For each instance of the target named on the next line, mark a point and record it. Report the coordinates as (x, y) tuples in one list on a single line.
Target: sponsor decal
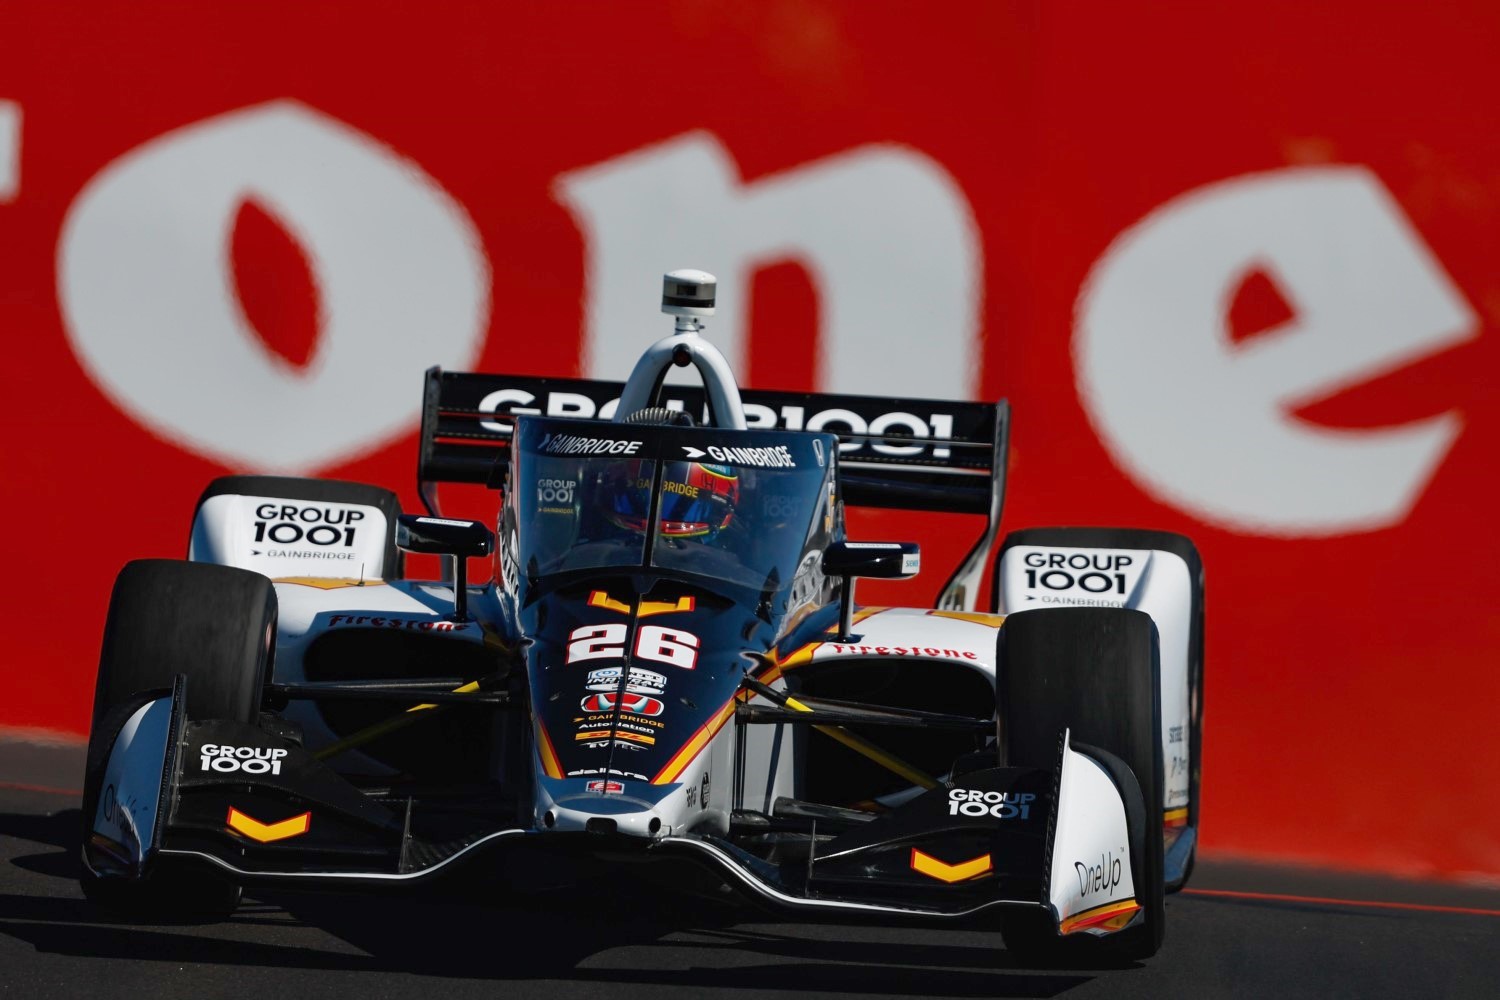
[(555, 496), (586, 771), (572, 444), (933, 651), (303, 554), (247, 760), (997, 805), (818, 451), (265, 833), (1100, 878), (944, 872), (448, 522), (703, 791), (414, 624), (639, 681), (766, 457), (599, 744), (633, 722), (1076, 602), (900, 433), (605, 787), (289, 524), (1174, 734), (636, 704), (691, 796), (908, 428), (1096, 573), (780, 507)]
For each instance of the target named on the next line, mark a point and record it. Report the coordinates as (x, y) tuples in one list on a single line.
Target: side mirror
[(447, 537), (878, 560), (443, 536)]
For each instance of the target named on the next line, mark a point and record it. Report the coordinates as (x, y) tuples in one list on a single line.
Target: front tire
[(1096, 672), (217, 625)]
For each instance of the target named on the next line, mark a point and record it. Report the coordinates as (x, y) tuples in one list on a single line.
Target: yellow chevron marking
[(944, 872), (649, 608), (599, 599), (267, 832)]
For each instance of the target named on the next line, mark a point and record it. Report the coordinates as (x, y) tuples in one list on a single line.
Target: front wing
[(263, 809)]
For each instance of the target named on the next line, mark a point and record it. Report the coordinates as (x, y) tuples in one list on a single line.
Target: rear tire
[(1096, 672), (217, 625)]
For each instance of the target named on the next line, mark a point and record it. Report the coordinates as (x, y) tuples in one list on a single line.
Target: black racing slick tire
[(217, 626), (1095, 672), (1182, 847)]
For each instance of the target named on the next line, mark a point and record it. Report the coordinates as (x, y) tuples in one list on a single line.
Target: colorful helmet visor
[(696, 499)]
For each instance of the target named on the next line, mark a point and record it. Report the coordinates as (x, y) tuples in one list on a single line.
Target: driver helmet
[(697, 500)]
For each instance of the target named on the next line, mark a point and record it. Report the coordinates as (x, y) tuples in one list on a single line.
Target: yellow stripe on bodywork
[(327, 582), (682, 758), (976, 617), (1111, 916)]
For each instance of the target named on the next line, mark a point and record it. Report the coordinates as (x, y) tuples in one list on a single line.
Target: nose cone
[(609, 804)]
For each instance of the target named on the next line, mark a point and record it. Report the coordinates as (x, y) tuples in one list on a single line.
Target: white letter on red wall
[(1204, 424), (143, 280), (883, 231), (10, 150)]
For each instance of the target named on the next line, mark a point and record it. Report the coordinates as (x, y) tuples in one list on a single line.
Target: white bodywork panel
[(912, 633), (279, 537), (1090, 849), (126, 815), (1150, 580)]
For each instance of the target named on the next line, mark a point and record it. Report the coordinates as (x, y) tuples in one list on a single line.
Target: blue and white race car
[(667, 662)]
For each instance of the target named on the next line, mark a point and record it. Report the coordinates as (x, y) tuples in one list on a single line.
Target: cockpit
[(737, 506)]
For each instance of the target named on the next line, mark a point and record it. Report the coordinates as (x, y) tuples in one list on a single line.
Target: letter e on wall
[(1205, 424)]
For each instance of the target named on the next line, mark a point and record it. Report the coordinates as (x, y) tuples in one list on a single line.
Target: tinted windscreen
[(564, 475), (738, 506)]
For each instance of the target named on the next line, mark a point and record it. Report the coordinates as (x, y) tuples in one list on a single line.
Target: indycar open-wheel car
[(666, 660)]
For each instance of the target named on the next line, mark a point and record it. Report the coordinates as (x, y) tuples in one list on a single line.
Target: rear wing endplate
[(895, 453)]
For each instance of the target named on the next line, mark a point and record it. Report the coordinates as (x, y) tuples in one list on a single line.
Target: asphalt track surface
[(1299, 934)]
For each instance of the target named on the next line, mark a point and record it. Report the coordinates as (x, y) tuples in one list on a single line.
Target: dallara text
[(665, 663)]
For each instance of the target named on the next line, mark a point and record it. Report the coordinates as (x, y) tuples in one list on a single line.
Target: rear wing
[(902, 454)]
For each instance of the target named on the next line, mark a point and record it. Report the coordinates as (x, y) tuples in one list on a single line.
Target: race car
[(666, 663)]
